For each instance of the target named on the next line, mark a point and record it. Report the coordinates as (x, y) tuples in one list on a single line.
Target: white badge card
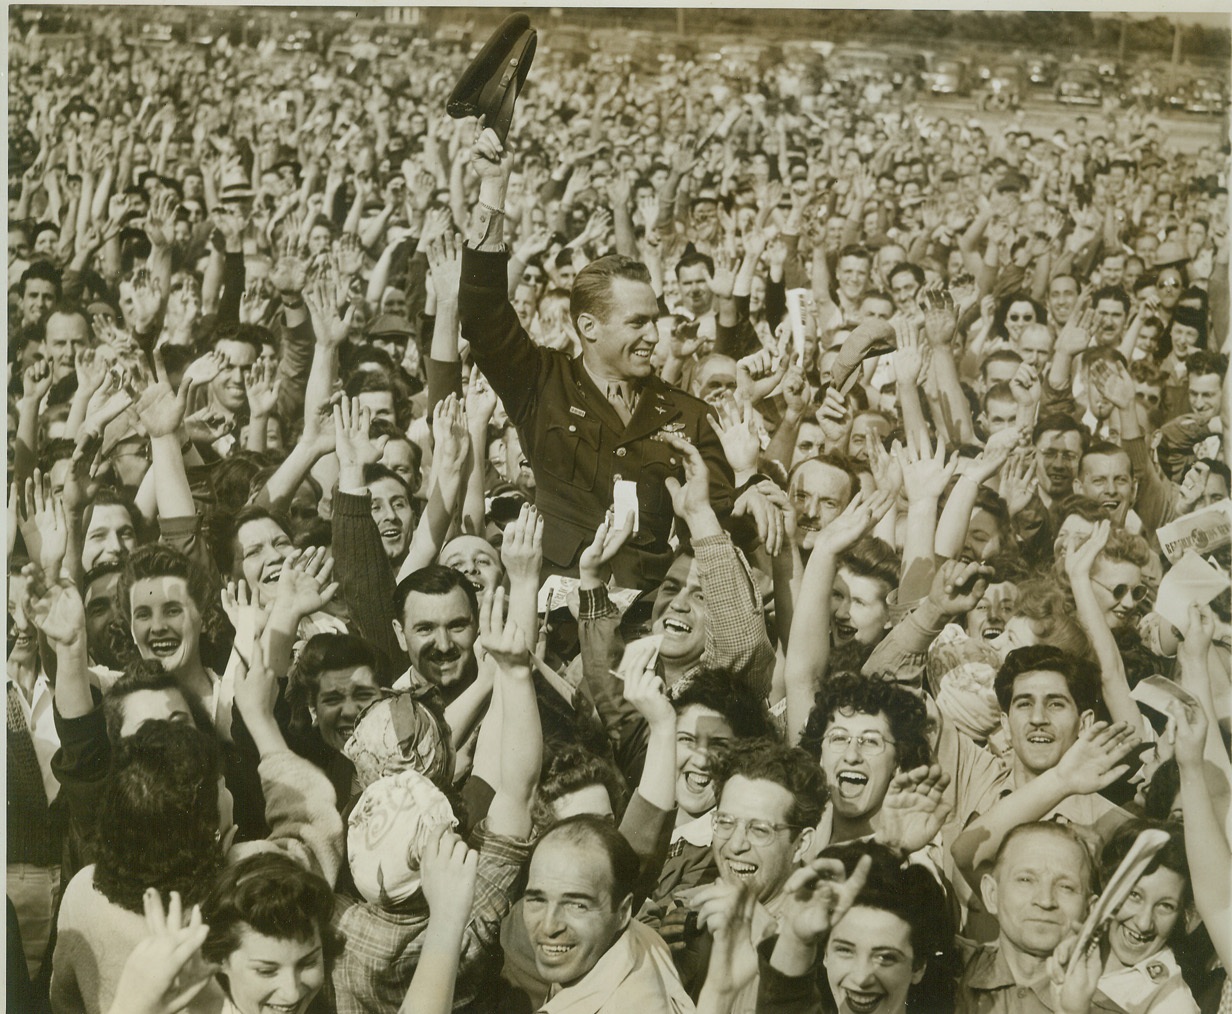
[(624, 502)]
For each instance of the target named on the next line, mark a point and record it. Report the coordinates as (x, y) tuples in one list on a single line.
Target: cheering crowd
[(729, 545)]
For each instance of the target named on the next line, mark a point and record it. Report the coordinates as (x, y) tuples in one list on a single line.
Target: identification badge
[(624, 502)]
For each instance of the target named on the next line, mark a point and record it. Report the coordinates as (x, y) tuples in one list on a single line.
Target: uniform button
[(673, 461), (572, 429), (620, 452)]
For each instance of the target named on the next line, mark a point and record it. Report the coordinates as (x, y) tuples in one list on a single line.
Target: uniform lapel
[(596, 400), (654, 409)]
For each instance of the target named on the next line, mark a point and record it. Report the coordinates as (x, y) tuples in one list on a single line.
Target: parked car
[(947, 76), (1079, 86), (859, 64), (1006, 85), (1206, 95), (1041, 71)]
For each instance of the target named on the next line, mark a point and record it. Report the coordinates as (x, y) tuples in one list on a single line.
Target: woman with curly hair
[(864, 731), (270, 935)]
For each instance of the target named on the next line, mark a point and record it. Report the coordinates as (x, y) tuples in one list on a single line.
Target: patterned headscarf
[(388, 831), (398, 733)]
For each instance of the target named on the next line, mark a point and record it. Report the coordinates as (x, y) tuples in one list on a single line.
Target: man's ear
[(586, 324), (625, 911), (805, 844), (1005, 726), (988, 891), (400, 634), (1086, 719)]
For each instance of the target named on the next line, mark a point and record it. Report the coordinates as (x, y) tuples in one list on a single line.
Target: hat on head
[(388, 832), (489, 87), (1170, 254), (392, 324)]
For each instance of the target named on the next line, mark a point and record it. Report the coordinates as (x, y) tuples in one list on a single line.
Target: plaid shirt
[(382, 950), (736, 638)]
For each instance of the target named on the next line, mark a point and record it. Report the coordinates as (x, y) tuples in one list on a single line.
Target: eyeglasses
[(869, 744), (758, 832), (1136, 593), (1028, 317), (1171, 283)]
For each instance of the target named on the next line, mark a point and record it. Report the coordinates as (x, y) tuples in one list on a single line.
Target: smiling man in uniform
[(590, 422)]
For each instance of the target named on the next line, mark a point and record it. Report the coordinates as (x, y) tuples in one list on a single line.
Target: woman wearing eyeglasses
[(1105, 576), (1014, 314), (864, 732)]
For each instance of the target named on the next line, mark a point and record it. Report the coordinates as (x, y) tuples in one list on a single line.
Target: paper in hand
[(1190, 580)]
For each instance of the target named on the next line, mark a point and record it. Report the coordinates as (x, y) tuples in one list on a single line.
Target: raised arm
[(808, 654), (522, 735), (1113, 683), (1094, 762)]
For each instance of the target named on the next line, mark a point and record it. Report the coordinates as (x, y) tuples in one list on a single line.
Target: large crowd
[(721, 547)]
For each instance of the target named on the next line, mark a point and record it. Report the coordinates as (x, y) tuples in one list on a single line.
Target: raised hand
[(55, 608), (737, 428), (857, 519), (887, 472), (1199, 633), (481, 400), (725, 911), (1075, 336), (256, 687), (925, 472), (1186, 732), (244, 613), (321, 300), (522, 546), (907, 356), (165, 971), (161, 408), (835, 419), (1025, 386), (450, 439), (995, 453), (204, 369), (693, 497), (36, 381), (352, 426), (449, 871), (817, 896), (147, 300), (444, 254), (1018, 480), (304, 585), (1096, 759), (501, 637), (642, 687), (1081, 558), (958, 586), (914, 808), (603, 547), (261, 384), (46, 513), (254, 305), (1074, 982), (1113, 381), (940, 316)]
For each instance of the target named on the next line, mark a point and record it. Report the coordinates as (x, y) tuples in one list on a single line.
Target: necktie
[(622, 401)]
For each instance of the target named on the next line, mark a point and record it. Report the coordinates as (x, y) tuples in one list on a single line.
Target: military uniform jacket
[(574, 439)]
